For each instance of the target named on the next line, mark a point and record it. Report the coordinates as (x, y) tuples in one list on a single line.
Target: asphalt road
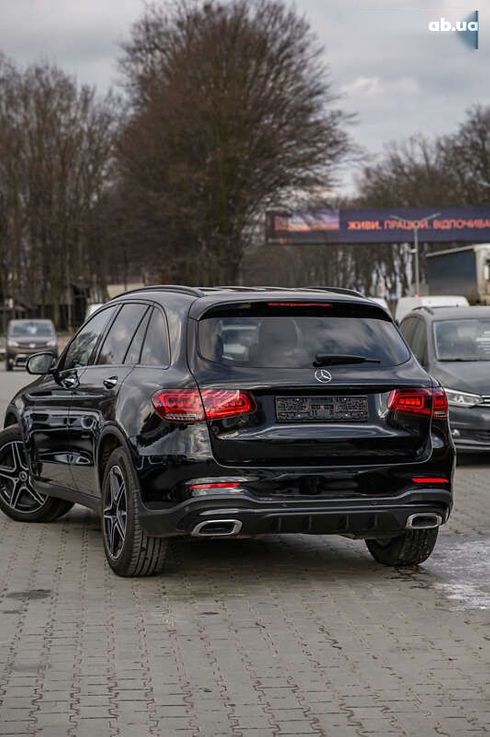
[(279, 636)]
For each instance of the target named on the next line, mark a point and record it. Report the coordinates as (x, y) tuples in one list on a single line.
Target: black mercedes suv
[(233, 411)]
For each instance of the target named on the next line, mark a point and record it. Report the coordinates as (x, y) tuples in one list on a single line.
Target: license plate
[(322, 409)]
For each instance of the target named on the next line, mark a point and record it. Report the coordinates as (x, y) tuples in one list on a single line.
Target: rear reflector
[(219, 487), (420, 401), (430, 480), (190, 405)]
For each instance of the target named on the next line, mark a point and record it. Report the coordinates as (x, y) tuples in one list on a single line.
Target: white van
[(407, 304)]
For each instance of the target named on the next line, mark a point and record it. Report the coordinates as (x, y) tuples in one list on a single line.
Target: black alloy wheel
[(129, 550), (115, 512)]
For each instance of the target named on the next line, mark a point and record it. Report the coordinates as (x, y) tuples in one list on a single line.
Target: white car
[(407, 304)]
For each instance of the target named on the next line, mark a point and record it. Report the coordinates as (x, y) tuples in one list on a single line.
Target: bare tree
[(55, 155), (232, 108), (446, 171)]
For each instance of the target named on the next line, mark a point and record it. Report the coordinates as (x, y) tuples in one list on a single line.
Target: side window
[(419, 342), (134, 350), (156, 350), (83, 344), (120, 334)]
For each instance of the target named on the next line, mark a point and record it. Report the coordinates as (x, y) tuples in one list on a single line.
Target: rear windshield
[(463, 340), (295, 339), (31, 329)]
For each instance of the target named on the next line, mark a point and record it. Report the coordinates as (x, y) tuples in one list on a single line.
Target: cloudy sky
[(398, 77)]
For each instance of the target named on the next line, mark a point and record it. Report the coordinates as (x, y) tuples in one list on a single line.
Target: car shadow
[(242, 565)]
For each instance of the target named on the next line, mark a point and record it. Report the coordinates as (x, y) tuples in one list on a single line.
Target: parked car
[(26, 337), (324, 423), (453, 345), (407, 304)]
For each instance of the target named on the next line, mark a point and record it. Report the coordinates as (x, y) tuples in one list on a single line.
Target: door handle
[(111, 382)]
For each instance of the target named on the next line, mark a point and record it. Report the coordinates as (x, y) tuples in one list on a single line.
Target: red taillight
[(179, 405), (190, 405), (430, 480), (222, 403), (440, 404), (429, 402)]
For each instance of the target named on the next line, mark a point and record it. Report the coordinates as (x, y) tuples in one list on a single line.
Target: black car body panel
[(353, 477)]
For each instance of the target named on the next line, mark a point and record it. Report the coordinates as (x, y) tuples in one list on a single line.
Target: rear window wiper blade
[(326, 359)]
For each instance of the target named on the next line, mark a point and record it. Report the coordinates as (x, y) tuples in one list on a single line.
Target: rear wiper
[(325, 359)]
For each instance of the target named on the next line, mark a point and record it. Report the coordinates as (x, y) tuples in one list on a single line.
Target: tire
[(8, 367), (129, 550), (18, 499), (409, 549)]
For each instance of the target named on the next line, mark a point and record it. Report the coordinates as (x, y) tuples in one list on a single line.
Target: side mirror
[(41, 364)]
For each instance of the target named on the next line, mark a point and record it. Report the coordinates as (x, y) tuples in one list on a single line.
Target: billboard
[(394, 225)]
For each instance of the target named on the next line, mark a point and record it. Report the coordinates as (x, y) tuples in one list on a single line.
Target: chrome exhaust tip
[(423, 521), (217, 528)]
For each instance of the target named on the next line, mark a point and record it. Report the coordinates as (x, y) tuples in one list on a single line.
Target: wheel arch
[(110, 439)]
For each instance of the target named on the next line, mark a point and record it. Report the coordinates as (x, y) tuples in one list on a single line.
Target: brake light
[(179, 405), (430, 480), (299, 304), (440, 404), (190, 405), (222, 403), (411, 401), (428, 402)]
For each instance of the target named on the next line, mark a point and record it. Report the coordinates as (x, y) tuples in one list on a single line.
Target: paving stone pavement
[(248, 638)]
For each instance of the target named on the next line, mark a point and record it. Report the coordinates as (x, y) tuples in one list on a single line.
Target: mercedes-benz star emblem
[(323, 376)]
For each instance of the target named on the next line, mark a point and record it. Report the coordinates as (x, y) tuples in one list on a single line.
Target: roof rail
[(231, 288), (193, 291), (202, 291), (262, 288)]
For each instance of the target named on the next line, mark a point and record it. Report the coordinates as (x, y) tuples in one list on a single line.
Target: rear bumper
[(363, 518)]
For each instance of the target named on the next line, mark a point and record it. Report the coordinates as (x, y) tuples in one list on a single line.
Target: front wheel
[(19, 500), (408, 549), (129, 550)]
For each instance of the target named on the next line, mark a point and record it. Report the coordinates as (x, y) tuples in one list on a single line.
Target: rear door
[(311, 406), (94, 402)]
